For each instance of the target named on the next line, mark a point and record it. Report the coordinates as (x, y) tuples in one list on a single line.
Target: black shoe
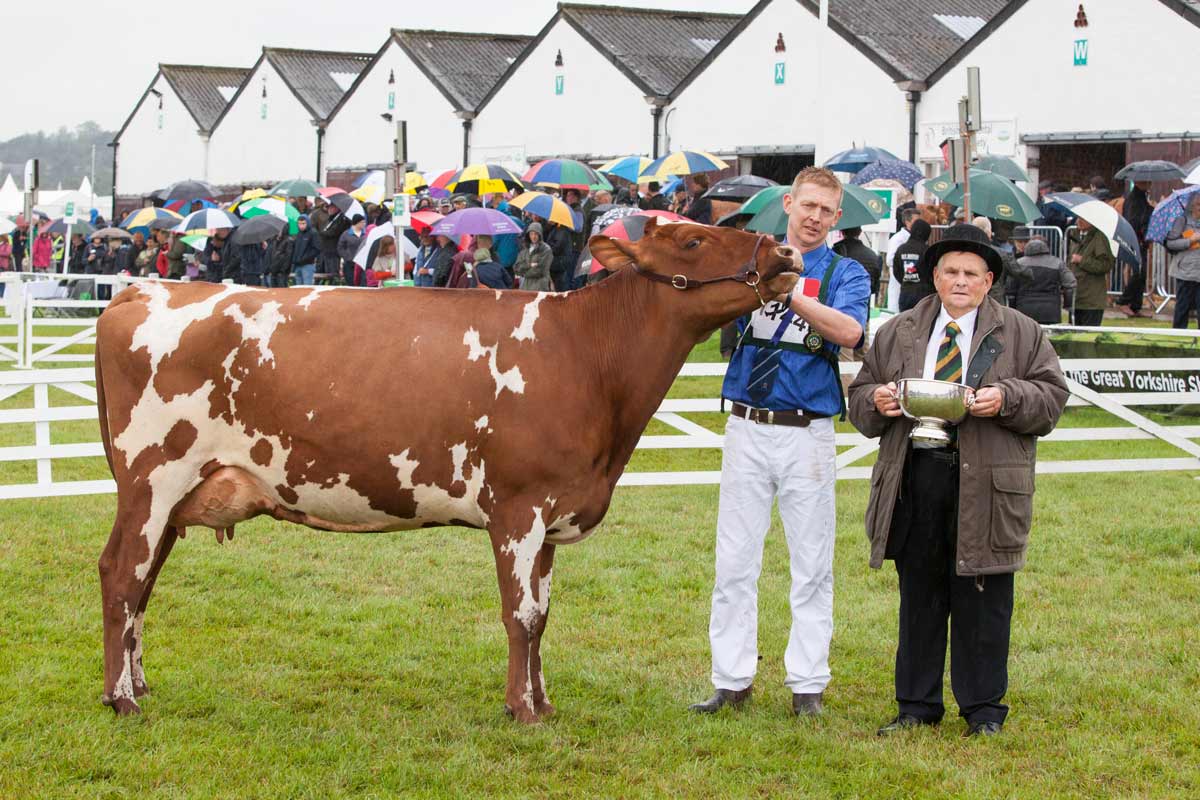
[(807, 705), (722, 697), (903, 722), (986, 728)]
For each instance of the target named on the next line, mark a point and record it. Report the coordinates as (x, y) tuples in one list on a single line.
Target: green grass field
[(291, 663)]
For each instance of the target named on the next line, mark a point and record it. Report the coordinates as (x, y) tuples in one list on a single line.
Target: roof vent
[(344, 79), (963, 27)]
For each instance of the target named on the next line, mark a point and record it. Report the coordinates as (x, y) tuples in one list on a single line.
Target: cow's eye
[(694, 243)]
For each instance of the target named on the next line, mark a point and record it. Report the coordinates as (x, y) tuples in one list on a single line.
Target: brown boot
[(807, 705)]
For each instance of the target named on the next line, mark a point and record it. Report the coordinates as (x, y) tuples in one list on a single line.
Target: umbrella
[(111, 233), (207, 219), (258, 229), (996, 198), (196, 241), (186, 190), (298, 187), (348, 204), (60, 227), (164, 223), (907, 173), (943, 185), (1193, 177), (330, 191), (280, 209), (681, 162), (1167, 211), (630, 228), (611, 215), (370, 193), (903, 195), (1004, 167), (627, 167), (372, 176), (741, 187), (369, 249), (859, 207), (424, 220), (857, 158), (1102, 216), (183, 207), (543, 205), (668, 188), (438, 187), (414, 182), (476, 221), (144, 216), (249, 194), (480, 179), (565, 173), (1151, 171)]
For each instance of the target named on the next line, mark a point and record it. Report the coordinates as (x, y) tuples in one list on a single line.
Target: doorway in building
[(780, 168), (1073, 164)]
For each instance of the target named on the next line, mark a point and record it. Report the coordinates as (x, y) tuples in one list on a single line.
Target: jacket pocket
[(1012, 507)]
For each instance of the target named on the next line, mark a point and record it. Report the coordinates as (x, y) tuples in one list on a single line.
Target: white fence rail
[(80, 383)]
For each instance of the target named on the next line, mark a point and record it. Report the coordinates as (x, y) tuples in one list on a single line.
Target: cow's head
[(711, 274)]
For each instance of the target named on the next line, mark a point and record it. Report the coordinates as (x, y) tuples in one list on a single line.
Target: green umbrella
[(943, 185), (196, 241), (273, 206), (997, 198), (859, 207), (1004, 167), (298, 187)]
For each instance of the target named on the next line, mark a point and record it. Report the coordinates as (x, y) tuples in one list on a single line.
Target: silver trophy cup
[(935, 405)]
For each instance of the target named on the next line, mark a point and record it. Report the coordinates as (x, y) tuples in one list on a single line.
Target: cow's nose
[(786, 251)]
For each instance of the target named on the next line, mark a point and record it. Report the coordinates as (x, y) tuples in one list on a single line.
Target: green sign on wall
[(780, 71), (558, 84), (1081, 52)]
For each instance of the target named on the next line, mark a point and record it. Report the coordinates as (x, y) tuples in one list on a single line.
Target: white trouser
[(893, 292), (797, 466)]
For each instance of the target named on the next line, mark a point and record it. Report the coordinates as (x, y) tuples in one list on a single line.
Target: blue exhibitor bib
[(805, 379)]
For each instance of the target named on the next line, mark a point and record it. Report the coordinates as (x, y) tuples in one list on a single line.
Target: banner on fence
[(1136, 380)]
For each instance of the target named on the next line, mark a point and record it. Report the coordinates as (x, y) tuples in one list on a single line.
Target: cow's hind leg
[(135, 551), (519, 549), (139, 673)]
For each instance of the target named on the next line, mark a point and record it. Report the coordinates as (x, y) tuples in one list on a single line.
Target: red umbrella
[(628, 228), (437, 187), (330, 191), (422, 221)]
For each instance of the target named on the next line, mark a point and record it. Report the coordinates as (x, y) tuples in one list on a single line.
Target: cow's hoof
[(544, 709), (122, 706), (140, 690), (522, 715)]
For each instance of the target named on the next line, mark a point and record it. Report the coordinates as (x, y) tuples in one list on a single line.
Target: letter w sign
[(1081, 52)]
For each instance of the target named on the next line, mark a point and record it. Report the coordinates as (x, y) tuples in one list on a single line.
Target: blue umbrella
[(669, 187), (1105, 219), (1167, 212), (905, 172), (856, 158)]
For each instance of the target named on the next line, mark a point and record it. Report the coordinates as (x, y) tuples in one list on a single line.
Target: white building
[(165, 138), (272, 129), (430, 79), (1076, 89), (592, 84), (782, 91)]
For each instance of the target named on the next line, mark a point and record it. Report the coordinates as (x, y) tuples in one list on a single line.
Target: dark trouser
[(1187, 300), (329, 264), (979, 609), (350, 272), (1134, 290), (252, 279), (1089, 317)]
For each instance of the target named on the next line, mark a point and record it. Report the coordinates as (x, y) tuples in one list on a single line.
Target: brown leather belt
[(765, 416)]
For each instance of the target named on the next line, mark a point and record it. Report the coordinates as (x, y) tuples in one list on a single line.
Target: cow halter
[(748, 275)]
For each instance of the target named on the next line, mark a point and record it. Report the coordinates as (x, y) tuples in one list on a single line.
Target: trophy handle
[(899, 391)]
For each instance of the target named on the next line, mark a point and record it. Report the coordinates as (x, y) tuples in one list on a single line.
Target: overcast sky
[(68, 61)]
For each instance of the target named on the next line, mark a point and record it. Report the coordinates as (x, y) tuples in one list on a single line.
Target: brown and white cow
[(219, 403)]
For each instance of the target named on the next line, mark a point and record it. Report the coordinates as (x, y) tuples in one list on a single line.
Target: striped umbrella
[(330, 191), (543, 205), (196, 241), (298, 187), (275, 207), (626, 167), (414, 182), (480, 179), (144, 216), (370, 193), (437, 188), (1122, 240), (681, 162), (348, 204), (249, 194), (857, 158), (207, 219), (565, 173)]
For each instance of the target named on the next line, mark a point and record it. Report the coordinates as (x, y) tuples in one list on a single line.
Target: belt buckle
[(770, 417)]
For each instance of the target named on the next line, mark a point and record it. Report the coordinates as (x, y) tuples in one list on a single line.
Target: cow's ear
[(651, 225), (614, 254)]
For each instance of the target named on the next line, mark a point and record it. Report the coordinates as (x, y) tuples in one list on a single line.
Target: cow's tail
[(101, 406)]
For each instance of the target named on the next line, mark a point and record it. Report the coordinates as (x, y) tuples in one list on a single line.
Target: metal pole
[(92, 199), (400, 157), (970, 148)]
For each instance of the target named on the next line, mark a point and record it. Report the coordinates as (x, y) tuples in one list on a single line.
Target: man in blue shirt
[(785, 388)]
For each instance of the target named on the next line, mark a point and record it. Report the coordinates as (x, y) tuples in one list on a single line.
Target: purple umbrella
[(1166, 212), (477, 222), (905, 172)]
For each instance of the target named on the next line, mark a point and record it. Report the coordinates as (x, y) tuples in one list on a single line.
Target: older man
[(785, 388), (956, 519)]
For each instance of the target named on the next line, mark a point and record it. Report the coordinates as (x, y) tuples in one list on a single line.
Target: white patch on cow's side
[(498, 294), (458, 455), (510, 379), (310, 416), (163, 327), (435, 504), (524, 552), (260, 327), (528, 318), (313, 293), (481, 423)]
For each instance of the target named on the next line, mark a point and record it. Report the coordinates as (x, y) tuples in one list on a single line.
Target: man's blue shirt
[(805, 380)]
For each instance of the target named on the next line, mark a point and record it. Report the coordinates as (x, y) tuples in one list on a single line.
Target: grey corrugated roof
[(464, 66), (907, 34), (655, 48), (310, 74), (204, 90)]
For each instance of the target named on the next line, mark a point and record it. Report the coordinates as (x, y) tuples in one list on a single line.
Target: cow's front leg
[(523, 608)]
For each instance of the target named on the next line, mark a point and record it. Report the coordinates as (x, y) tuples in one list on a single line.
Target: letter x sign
[(780, 66)]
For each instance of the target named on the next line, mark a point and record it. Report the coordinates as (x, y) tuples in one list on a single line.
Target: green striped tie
[(949, 358)]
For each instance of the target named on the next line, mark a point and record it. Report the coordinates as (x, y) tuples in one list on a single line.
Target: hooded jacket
[(304, 247), (1038, 282), (534, 261), (1184, 243)]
